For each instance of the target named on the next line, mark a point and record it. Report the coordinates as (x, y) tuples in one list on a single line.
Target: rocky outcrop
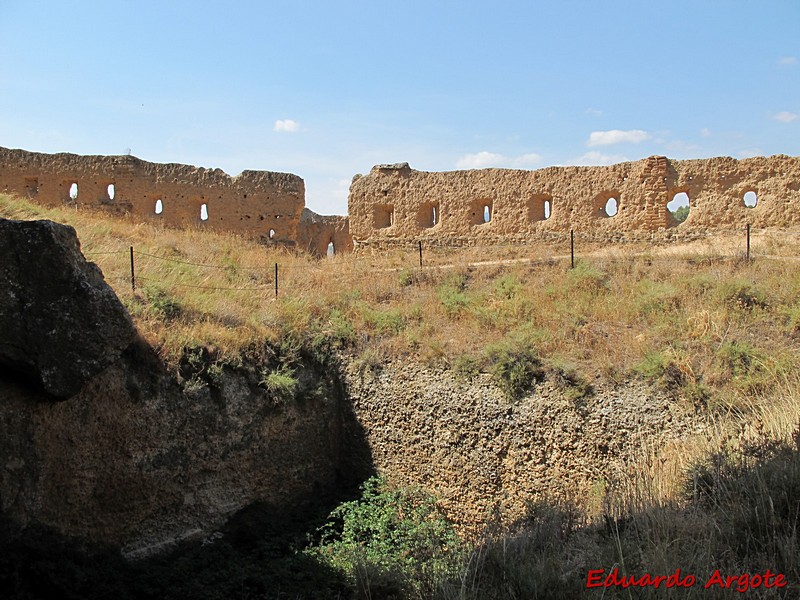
[(487, 457), (61, 323), (142, 459)]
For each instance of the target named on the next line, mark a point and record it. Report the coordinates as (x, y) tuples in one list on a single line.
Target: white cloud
[(788, 61), (594, 112), (749, 153), (705, 132), (480, 160), (596, 159), (286, 125), (484, 159), (785, 116), (617, 136)]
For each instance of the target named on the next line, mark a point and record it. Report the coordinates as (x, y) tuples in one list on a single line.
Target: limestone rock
[(60, 322)]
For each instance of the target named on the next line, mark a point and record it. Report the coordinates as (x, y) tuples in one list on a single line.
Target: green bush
[(162, 304), (281, 383), (586, 277), (452, 294), (514, 366), (465, 366), (680, 214), (391, 542)]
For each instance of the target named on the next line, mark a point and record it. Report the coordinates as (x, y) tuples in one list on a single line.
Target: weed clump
[(515, 367)]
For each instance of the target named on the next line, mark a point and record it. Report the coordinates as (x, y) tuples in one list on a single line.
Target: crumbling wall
[(395, 204), (324, 235), (255, 203)]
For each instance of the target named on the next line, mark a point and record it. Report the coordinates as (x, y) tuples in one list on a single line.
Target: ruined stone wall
[(321, 234), (256, 203), (395, 204)]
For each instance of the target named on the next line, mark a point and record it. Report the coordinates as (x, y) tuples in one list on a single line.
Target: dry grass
[(720, 333), (693, 323)]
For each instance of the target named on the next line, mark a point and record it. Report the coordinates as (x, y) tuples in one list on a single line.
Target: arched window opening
[(481, 211), (384, 216), (612, 207), (331, 250), (539, 207), (679, 207), (204, 212), (750, 199), (428, 215), (271, 233), (159, 206), (73, 191), (111, 190)]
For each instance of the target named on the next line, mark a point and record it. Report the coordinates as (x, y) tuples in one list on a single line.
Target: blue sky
[(325, 90)]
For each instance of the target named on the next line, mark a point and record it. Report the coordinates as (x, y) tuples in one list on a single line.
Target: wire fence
[(418, 255)]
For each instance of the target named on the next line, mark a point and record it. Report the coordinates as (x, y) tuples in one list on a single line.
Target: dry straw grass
[(691, 322), (712, 330)]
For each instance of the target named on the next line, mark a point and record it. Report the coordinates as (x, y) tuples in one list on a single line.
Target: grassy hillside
[(709, 328), (702, 324)]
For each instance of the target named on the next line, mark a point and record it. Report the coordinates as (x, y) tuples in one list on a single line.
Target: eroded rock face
[(139, 460), (60, 323), (487, 457)]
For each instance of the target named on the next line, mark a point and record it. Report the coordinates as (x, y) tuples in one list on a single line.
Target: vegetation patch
[(391, 542)]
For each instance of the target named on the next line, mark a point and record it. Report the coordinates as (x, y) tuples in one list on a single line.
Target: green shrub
[(587, 277), (652, 365), (514, 366), (281, 383), (508, 286), (162, 304), (391, 542), (680, 214), (387, 322), (466, 366)]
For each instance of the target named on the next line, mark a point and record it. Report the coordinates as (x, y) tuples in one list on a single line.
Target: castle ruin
[(261, 204), (395, 206)]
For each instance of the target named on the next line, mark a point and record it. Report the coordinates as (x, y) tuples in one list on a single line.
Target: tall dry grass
[(695, 323), (719, 333)]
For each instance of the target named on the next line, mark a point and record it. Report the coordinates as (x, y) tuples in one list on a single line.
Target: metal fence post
[(571, 249), (748, 242), (133, 277)]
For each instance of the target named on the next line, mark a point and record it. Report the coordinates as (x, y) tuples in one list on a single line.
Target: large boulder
[(60, 322)]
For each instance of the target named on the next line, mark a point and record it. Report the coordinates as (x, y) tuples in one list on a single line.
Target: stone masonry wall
[(395, 204), (256, 203)]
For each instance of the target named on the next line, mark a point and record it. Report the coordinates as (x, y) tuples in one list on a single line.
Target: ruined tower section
[(395, 205), (261, 204)]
